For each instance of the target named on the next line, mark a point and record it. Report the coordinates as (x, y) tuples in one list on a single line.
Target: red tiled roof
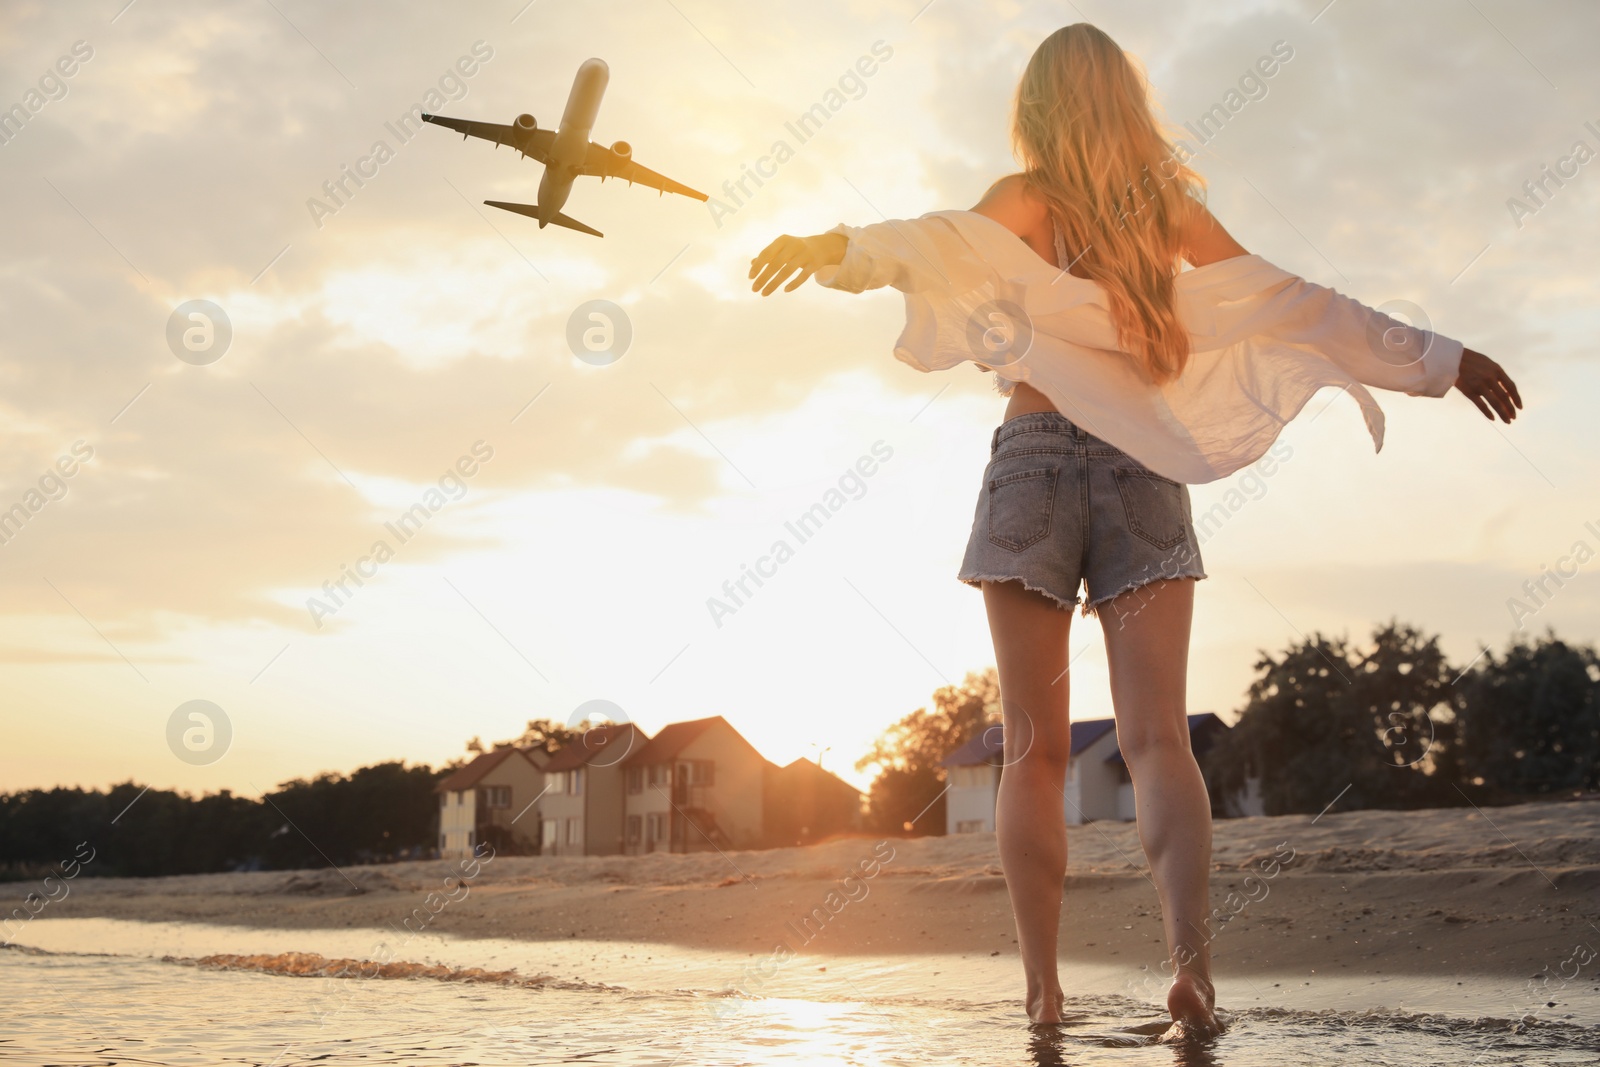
[(473, 773), (615, 740), (803, 768), (674, 737)]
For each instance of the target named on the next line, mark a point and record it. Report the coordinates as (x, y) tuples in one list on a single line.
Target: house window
[(656, 773), (573, 831), (497, 796), (635, 780), (470, 835), (969, 826), (696, 773), (548, 836), (575, 782), (655, 825), (633, 829), (444, 800)]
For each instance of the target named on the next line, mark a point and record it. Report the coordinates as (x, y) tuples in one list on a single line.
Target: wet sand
[(1507, 893)]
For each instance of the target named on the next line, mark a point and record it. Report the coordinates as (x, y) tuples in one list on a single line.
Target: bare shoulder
[(1012, 202), (1203, 238)]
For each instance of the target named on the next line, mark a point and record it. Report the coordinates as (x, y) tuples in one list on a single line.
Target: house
[(972, 784), (1098, 785), (695, 785), (974, 778), (581, 811), (1094, 785), (1204, 730), (804, 803), (488, 802)]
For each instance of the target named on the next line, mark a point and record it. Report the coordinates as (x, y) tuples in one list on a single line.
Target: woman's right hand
[(1486, 384), (788, 254)]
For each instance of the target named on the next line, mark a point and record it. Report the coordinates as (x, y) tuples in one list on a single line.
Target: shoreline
[(1430, 894), (725, 984)]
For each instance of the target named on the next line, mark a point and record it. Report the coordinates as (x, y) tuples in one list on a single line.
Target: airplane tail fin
[(532, 211)]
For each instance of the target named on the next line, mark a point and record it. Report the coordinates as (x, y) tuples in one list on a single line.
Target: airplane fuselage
[(571, 145), (565, 151)]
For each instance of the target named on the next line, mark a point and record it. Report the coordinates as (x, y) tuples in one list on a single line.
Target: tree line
[(1403, 727), (1391, 723), (376, 814)]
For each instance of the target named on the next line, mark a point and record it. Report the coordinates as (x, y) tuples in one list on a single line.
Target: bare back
[(1013, 203)]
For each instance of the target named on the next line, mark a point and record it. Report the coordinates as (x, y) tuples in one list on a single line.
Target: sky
[(385, 343)]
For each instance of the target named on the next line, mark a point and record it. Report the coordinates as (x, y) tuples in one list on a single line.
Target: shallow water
[(69, 1002)]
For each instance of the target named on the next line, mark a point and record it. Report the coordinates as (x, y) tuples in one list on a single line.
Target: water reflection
[(1065, 1045), (102, 1010), (1196, 1053)]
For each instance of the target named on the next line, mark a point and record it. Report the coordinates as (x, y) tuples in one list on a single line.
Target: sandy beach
[(1505, 893)]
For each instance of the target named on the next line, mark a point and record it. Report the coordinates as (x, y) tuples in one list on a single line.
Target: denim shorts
[(1060, 506)]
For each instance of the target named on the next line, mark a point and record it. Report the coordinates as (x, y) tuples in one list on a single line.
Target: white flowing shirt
[(1262, 340)]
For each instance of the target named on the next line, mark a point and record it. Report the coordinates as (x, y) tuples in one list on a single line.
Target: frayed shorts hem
[(977, 580), (1138, 583), (1086, 607)]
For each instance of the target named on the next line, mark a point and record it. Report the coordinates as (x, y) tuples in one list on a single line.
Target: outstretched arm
[(789, 254), (1479, 378)]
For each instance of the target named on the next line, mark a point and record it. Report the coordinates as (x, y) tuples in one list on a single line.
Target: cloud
[(370, 352)]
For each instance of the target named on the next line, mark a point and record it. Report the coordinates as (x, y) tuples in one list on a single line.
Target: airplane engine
[(526, 123), (622, 150)]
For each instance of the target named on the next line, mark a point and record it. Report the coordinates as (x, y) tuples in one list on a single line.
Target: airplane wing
[(535, 143), (604, 163)]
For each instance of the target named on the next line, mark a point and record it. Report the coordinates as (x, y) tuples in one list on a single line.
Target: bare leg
[(1030, 643), (1147, 645)]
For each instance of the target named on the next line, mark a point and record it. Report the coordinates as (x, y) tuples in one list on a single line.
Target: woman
[(1105, 198)]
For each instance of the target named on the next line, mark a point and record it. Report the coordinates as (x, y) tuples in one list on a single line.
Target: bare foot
[(1192, 1005), (1046, 1007)]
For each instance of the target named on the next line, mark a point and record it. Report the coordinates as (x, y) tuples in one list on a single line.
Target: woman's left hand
[(789, 254), (1487, 385)]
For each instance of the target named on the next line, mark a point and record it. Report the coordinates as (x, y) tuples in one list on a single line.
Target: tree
[(379, 812), (1530, 721), (907, 795), (546, 734), (374, 814), (1375, 728)]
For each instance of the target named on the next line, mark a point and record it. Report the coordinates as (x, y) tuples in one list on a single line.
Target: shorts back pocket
[(1153, 504), (1020, 505)]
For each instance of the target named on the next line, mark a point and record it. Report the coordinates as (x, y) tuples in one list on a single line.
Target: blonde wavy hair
[(1085, 132)]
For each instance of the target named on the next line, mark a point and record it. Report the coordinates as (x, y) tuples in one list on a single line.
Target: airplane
[(566, 152)]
